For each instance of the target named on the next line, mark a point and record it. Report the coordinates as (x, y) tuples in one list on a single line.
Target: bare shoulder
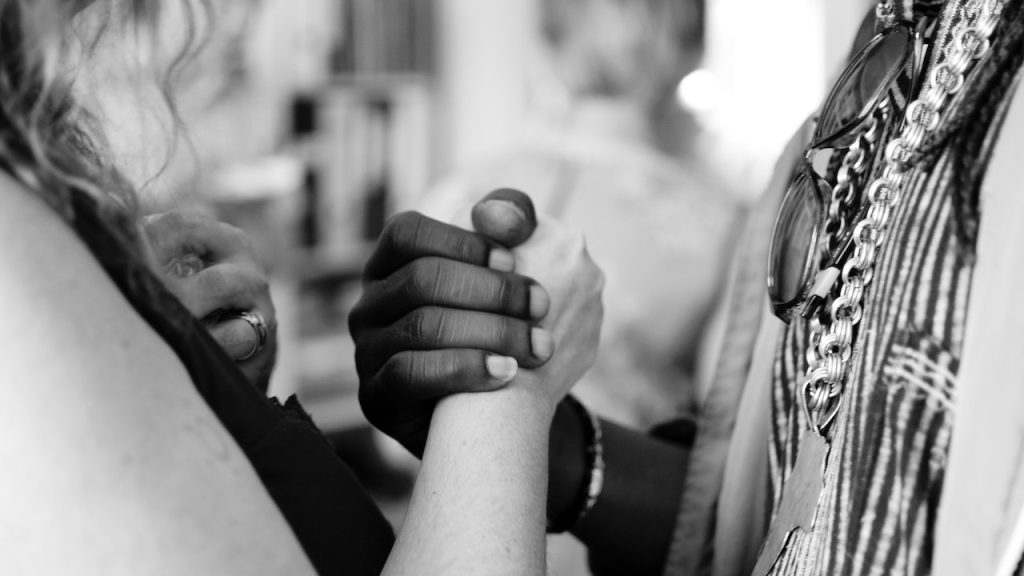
[(106, 432), (31, 234), (58, 300)]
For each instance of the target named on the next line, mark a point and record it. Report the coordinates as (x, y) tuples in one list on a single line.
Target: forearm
[(479, 499), (630, 527)]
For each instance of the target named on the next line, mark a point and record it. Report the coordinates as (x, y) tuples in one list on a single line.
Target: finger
[(179, 232), (434, 328), (450, 284), (236, 336), (505, 216), (430, 374), (410, 235), (226, 286)]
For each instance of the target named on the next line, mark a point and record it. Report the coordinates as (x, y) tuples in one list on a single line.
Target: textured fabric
[(337, 524), (885, 473), (741, 312), (742, 510), (884, 477)]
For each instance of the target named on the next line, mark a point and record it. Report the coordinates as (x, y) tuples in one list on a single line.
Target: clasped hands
[(496, 299)]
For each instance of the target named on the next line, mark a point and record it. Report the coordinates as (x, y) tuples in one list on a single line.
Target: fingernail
[(504, 213), (502, 367), (502, 217), (502, 260), (542, 343), (540, 302)]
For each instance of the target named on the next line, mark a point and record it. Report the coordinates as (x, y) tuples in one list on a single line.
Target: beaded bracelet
[(595, 479)]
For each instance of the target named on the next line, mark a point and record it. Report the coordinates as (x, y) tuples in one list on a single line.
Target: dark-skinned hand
[(443, 312)]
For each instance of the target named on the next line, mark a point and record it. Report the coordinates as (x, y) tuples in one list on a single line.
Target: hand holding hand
[(556, 257), (442, 312)]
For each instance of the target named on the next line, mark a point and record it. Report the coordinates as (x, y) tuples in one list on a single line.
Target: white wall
[(774, 60), (484, 52)]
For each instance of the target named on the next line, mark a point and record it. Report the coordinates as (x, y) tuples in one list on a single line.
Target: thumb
[(505, 216)]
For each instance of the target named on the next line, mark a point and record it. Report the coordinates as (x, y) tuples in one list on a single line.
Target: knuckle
[(513, 335), (224, 283), (398, 371), (356, 320), (511, 294), (424, 280), (427, 368), (402, 229), (461, 246), (214, 280), (452, 367), (424, 326), (387, 235), (402, 219)]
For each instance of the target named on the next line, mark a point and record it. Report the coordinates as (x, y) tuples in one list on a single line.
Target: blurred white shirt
[(658, 228)]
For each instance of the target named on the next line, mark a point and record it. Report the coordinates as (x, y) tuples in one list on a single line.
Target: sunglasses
[(808, 248)]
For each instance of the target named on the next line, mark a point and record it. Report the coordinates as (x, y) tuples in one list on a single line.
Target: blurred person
[(864, 415), (136, 444), (597, 158)]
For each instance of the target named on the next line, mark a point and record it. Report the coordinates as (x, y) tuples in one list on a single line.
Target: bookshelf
[(379, 37), (364, 134)]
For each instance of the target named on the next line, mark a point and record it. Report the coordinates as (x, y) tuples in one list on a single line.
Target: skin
[(480, 496), (125, 397), (111, 434), (213, 269), (629, 529), (429, 307)]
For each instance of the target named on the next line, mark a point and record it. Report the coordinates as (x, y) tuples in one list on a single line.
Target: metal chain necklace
[(854, 162), (831, 344), (886, 13), (829, 354)]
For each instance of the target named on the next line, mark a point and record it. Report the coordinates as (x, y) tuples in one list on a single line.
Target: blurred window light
[(699, 91), (769, 61)]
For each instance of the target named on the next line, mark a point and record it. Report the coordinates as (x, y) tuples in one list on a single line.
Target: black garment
[(337, 523)]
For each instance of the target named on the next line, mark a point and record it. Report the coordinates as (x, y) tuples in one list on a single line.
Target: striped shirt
[(889, 443)]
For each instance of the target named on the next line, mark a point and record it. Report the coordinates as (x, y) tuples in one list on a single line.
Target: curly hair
[(48, 142)]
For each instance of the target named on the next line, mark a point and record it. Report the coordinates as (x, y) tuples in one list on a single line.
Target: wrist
[(567, 460), (576, 467), (512, 411)]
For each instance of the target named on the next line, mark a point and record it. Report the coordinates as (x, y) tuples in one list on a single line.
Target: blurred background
[(649, 124)]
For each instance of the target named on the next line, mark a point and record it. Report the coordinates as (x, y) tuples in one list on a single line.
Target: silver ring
[(259, 326)]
